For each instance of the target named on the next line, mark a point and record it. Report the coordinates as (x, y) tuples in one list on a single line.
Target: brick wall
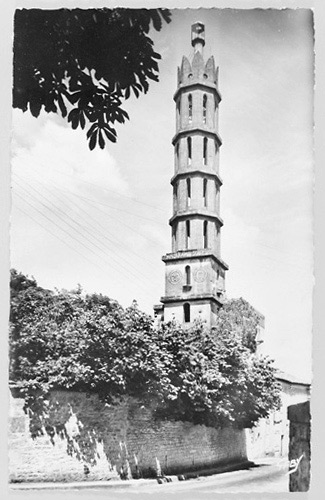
[(111, 439)]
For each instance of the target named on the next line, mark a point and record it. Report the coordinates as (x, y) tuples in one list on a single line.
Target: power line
[(118, 209), (126, 225), (91, 242), (46, 228), (57, 236), (110, 191), (96, 202), (80, 242), (115, 241)]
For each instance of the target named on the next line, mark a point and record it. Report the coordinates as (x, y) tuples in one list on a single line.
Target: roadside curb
[(114, 483)]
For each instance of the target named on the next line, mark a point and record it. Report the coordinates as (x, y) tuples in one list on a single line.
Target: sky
[(101, 218)]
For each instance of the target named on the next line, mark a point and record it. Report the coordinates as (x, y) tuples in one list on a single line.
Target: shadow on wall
[(80, 427), (76, 436)]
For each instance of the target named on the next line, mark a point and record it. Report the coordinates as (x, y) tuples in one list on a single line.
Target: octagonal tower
[(195, 272)]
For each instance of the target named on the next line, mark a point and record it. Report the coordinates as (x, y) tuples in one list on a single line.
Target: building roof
[(286, 377)]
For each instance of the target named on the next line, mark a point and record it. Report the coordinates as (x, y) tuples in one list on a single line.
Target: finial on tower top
[(198, 35)]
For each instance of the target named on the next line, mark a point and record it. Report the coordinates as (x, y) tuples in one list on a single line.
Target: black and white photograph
[(161, 249)]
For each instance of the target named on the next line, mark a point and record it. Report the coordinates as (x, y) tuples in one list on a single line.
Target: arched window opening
[(190, 108), (188, 234), (205, 150), (205, 234), (177, 150), (189, 150), (187, 312), (205, 192), (218, 274), (188, 190), (188, 275), (178, 109), (205, 108)]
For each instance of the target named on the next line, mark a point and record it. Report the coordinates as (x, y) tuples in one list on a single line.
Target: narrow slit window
[(218, 236), (204, 108), (188, 234), (188, 275), (175, 192), (178, 108), (205, 150), (187, 312), (205, 192), (174, 234), (188, 189), (189, 150), (205, 234), (190, 108)]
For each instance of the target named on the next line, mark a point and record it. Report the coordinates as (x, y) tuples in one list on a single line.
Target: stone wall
[(299, 447), (86, 439)]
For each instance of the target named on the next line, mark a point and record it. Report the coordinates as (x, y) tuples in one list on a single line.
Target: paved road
[(270, 476)]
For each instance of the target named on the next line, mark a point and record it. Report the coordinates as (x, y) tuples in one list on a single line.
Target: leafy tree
[(237, 315), (66, 340), (73, 341), (84, 63), (215, 379)]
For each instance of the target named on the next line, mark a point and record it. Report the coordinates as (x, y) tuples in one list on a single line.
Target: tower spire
[(198, 36), (195, 272)]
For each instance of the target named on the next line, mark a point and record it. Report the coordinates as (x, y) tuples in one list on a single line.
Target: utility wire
[(46, 228), (94, 244), (115, 241), (85, 246), (96, 202), (57, 236), (120, 210), (109, 190)]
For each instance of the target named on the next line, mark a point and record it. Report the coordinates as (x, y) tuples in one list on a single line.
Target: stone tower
[(195, 272)]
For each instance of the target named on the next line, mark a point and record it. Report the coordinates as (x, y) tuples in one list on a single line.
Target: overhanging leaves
[(90, 59)]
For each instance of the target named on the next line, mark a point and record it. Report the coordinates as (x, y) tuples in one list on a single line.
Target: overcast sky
[(101, 218)]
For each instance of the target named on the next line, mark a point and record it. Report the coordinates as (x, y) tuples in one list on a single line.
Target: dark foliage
[(68, 340), (84, 63)]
